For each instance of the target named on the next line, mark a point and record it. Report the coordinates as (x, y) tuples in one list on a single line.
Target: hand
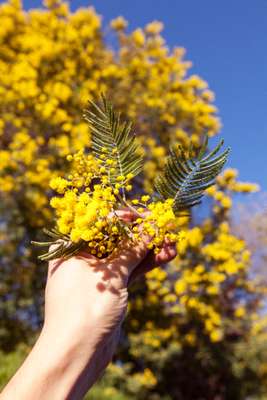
[(85, 304), (88, 296)]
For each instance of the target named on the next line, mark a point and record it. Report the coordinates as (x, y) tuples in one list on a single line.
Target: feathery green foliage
[(185, 179), (109, 132), (64, 248)]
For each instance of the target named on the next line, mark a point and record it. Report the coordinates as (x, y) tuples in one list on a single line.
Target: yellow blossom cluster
[(152, 338), (226, 184), (86, 209), (141, 382), (88, 200), (158, 224), (146, 379)]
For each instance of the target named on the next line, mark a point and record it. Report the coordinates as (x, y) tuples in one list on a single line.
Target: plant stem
[(129, 206)]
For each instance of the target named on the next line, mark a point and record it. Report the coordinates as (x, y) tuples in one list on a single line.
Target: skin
[(85, 304)]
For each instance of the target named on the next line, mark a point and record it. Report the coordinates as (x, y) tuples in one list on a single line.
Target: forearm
[(57, 368)]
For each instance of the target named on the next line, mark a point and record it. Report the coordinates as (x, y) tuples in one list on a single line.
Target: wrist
[(70, 359), (55, 369)]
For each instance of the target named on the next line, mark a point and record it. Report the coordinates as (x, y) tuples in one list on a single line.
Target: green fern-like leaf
[(185, 179), (109, 132), (63, 249)]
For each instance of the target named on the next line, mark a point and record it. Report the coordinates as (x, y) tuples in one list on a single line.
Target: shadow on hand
[(115, 269)]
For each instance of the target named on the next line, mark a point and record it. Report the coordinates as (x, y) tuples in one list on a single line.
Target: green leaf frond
[(185, 178), (107, 131), (63, 247)]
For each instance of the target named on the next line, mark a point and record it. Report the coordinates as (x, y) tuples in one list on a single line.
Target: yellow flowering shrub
[(189, 324), (208, 304)]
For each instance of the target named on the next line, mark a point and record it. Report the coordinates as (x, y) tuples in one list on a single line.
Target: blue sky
[(226, 41)]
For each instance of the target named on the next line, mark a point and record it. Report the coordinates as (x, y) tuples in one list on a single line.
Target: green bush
[(9, 363)]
